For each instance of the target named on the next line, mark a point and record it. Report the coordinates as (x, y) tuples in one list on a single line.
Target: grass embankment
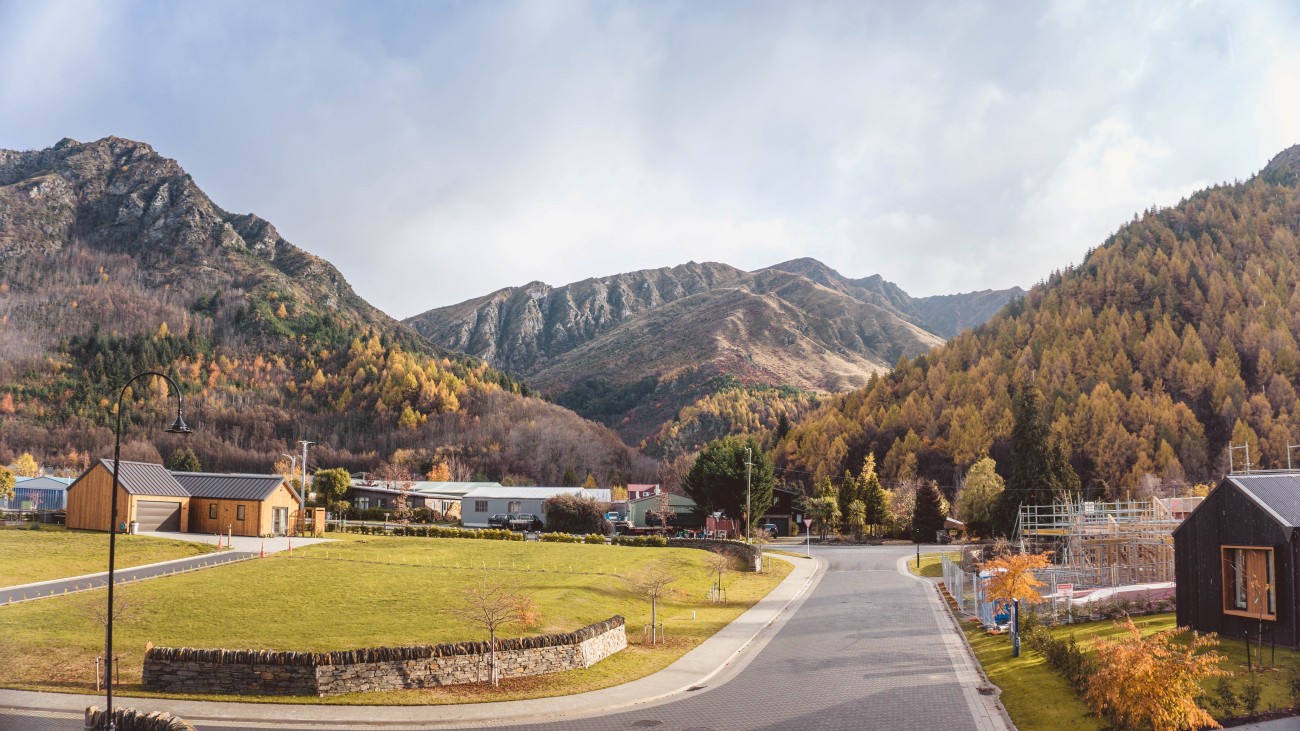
[(931, 564), (53, 552), (1039, 699), (379, 591)]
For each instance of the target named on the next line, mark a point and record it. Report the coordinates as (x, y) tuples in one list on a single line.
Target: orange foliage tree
[(1011, 577), (1153, 682)]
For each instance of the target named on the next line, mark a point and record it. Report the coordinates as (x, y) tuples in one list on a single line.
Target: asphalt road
[(860, 653)]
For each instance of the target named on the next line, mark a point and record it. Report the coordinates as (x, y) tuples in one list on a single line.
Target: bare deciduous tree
[(651, 582), (494, 605), (719, 563), (664, 509)]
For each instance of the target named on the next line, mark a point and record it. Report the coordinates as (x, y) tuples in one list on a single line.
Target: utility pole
[(302, 487), (749, 499)]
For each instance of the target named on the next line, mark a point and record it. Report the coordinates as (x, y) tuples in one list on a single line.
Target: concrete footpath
[(713, 662)]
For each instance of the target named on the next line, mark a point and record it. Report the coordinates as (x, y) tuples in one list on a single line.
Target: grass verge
[(379, 591), (53, 552), (931, 564), (1038, 699)]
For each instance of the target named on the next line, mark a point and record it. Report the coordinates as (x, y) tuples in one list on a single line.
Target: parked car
[(500, 520), (524, 521), (771, 530)]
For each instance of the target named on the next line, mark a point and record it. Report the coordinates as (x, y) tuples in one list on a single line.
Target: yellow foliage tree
[(26, 466), (1011, 577), (439, 472), (590, 481), (1153, 681)]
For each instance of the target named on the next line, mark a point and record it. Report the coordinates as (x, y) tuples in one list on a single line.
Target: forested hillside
[(1173, 339), (112, 260)]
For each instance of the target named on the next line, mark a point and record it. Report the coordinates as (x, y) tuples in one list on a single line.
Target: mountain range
[(112, 260), (634, 349)]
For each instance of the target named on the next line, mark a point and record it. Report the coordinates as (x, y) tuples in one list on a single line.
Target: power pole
[(749, 499), (302, 487)]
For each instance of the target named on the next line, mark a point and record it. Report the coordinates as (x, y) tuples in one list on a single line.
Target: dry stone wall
[(749, 553), (185, 670)]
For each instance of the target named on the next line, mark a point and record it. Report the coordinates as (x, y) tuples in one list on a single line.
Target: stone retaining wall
[(749, 553), (129, 719), (185, 670)]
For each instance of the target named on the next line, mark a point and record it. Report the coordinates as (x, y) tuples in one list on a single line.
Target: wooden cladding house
[(1237, 559), (182, 502)]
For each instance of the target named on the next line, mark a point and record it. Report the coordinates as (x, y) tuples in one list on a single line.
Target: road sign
[(807, 522), (1065, 589)]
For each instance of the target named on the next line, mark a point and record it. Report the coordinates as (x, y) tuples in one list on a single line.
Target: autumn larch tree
[(26, 466), (6, 484)]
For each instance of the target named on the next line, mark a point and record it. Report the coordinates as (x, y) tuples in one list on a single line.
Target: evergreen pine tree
[(873, 493), (184, 460), (927, 516)]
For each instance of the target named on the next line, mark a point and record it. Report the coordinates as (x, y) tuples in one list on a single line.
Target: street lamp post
[(177, 427)]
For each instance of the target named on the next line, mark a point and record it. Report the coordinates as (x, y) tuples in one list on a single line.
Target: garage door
[(157, 515)]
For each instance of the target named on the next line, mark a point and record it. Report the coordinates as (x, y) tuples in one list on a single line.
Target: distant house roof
[(145, 478), (1278, 494), (42, 483), (217, 486), (603, 494), (432, 489), (523, 493)]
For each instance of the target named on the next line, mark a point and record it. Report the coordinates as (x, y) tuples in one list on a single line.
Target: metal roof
[(144, 478), (523, 493), (425, 487), (42, 483), (1279, 494), (229, 486)]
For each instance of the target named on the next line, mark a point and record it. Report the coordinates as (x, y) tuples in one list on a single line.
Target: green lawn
[(28, 556), (376, 591), (1039, 699)]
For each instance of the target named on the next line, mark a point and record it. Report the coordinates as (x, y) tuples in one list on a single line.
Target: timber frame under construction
[(1105, 544)]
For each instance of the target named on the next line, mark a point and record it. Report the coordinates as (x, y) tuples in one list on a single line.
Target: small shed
[(642, 512), (1237, 559)]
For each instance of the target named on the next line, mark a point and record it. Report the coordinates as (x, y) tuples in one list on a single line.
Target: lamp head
[(178, 426)]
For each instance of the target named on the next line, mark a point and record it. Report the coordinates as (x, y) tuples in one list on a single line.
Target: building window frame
[(480, 506), (212, 511), (515, 506), (1249, 580), (363, 503), (241, 512)]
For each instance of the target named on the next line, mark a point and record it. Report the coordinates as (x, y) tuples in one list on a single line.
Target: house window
[(212, 511), (1249, 585), (514, 506), (363, 503), (480, 506), (240, 512)]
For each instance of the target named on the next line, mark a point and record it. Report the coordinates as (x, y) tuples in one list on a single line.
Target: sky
[(438, 151)]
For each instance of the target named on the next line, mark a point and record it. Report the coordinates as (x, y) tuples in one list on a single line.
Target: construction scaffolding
[(1104, 544)]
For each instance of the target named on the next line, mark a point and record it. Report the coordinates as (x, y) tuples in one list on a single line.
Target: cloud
[(436, 152)]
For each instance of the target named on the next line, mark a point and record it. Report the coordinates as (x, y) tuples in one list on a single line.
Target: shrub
[(1225, 698), (653, 541), (594, 539), (1063, 655), (560, 538), (1251, 691), (573, 514)]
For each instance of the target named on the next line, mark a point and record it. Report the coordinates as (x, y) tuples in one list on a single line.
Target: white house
[(482, 503)]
